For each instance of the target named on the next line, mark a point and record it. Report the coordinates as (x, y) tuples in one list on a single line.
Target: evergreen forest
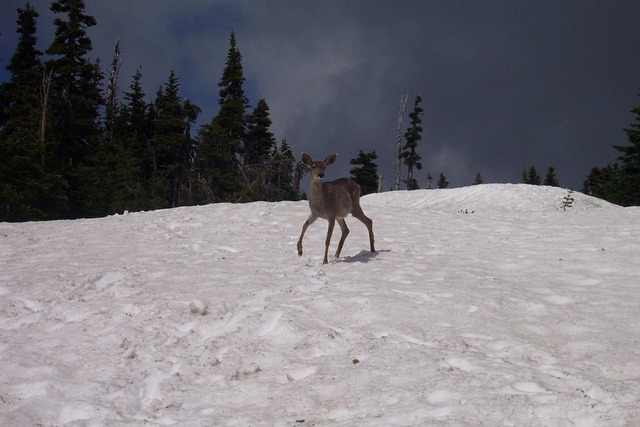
[(69, 148), (76, 142)]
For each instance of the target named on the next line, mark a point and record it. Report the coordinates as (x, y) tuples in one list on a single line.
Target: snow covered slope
[(492, 198), (485, 305)]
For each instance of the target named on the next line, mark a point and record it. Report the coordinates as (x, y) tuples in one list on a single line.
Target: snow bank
[(486, 305), (491, 197)]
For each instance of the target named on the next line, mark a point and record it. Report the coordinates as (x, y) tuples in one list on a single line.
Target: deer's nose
[(321, 175)]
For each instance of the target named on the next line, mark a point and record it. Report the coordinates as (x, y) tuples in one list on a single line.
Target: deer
[(333, 201)]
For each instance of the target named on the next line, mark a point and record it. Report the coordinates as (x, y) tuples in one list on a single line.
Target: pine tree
[(233, 103), (108, 165), (20, 94), (366, 174), (30, 188), (551, 179), (568, 200), (534, 178), (216, 169), (218, 154), (478, 179), (619, 183), (260, 142), (139, 118), (442, 181), (627, 183), (259, 147), (428, 182), (171, 144), (282, 173), (130, 170), (135, 132), (412, 137), (531, 176), (76, 91), (601, 182)]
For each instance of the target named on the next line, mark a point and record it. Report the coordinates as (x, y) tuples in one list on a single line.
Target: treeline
[(69, 149), (73, 144), (619, 182)]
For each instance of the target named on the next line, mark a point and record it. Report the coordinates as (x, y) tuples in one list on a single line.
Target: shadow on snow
[(363, 256)]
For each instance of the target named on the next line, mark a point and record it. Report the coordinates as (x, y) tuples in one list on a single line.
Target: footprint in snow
[(440, 396), (110, 278), (459, 363), (301, 374), (559, 299), (528, 387), (268, 323)]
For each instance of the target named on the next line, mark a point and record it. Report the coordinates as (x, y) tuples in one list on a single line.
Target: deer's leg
[(345, 232), (368, 222), (306, 225), (332, 223)]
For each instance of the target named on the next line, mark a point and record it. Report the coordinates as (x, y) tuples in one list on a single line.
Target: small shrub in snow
[(567, 201)]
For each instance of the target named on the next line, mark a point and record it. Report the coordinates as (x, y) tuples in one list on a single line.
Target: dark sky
[(505, 84)]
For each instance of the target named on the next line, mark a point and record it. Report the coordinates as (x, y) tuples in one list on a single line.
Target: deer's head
[(317, 167)]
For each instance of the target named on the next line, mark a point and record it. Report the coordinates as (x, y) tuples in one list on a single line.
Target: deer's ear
[(330, 159), (306, 159)]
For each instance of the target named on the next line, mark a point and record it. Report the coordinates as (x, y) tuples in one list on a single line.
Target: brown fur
[(333, 201)]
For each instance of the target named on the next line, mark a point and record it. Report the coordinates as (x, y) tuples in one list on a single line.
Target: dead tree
[(44, 104), (403, 102), (112, 94)]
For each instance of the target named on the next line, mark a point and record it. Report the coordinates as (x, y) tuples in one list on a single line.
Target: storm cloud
[(505, 84)]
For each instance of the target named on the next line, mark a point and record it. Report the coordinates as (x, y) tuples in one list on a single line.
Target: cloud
[(504, 84)]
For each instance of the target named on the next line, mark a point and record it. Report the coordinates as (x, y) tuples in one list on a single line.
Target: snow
[(485, 305)]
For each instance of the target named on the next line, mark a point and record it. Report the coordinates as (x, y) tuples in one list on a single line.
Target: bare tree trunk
[(46, 86), (299, 172), (403, 102), (112, 93)]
